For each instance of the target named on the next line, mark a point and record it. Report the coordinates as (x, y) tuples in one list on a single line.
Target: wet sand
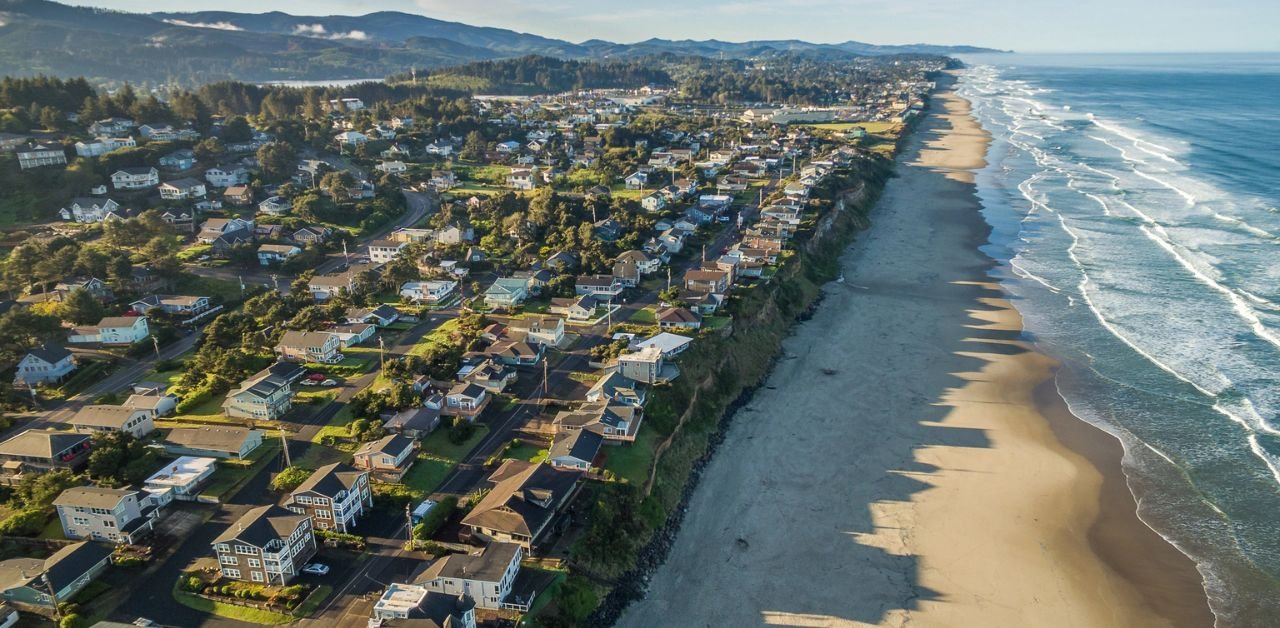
[(927, 480)]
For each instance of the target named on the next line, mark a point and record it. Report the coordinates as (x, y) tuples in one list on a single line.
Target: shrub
[(290, 478), (461, 431), (436, 518), (191, 583), (27, 522)]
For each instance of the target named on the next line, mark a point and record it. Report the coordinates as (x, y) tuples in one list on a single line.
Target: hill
[(45, 37)]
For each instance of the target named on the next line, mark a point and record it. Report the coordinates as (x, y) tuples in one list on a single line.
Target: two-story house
[(389, 458), (335, 496), (226, 176), (434, 291), (172, 304), (113, 330), (507, 292), (269, 254), (89, 209), (547, 330), (138, 178), (103, 418), (603, 287), (40, 155), (41, 450), (467, 400), (45, 364), (264, 396), (182, 189), (309, 346), (523, 502), (116, 515), (486, 575), (268, 545), (383, 251)]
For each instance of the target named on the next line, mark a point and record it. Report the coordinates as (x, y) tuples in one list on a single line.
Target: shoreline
[(956, 504)]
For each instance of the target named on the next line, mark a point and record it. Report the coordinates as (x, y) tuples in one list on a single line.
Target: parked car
[(316, 569), (317, 377), (329, 382), (307, 382)]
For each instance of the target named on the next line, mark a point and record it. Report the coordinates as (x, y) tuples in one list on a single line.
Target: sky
[(1021, 25)]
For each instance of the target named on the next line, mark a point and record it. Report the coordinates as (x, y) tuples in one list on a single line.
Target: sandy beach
[(908, 461)]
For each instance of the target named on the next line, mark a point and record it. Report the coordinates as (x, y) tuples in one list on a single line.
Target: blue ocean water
[(1135, 201)]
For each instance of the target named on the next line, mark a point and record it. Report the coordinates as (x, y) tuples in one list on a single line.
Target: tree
[(81, 307), (277, 161), (336, 184), (237, 130), (474, 147), (290, 478), (209, 149)]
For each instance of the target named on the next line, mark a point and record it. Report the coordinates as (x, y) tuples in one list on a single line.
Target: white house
[(182, 189), (392, 167), (113, 330), (183, 478), (88, 210), (428, 291), (351, 138), (226, 176), (275, 206), (103, 145), (486, 575), (522, 179), (383, 251), (44, 364), (637, 181), (269, 254), (39, 155), (654, 202), (135, 178)]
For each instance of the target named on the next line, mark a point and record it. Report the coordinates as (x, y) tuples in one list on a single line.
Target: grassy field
[(872, 128), (631, 462), (440, 338), (337, 426), (437, 459), (210, 287), (647, 316), (527, 453), (230, 611), (230, 475)]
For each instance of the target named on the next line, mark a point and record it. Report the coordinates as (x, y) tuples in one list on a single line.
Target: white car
[(307, 382), (329, 382), (316, 569)]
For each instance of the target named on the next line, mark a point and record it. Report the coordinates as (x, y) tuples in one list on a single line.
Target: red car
[(317, 377)]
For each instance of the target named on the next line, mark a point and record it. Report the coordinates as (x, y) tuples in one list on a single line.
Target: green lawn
[(80, 379), (348, 367), (716, 323), (313, 601), (211, 287), (230, 611), (231, 475), (337, 426), (872, 128), (437, 459), (647, 316), (527, 453), (631, 462), (52, 530), (441, 338), (438, 445)]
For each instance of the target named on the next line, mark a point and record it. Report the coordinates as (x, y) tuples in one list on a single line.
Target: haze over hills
[(43, 37)]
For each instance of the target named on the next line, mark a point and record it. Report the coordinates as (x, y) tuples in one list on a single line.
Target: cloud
[(318, 30), (222, 26)]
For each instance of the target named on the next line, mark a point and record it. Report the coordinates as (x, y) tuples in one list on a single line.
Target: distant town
[(374, 354)]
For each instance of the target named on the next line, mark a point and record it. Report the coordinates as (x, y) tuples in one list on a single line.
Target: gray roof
[(228, 439), (41, 443), (103, 416), (520, 489), (487, 565), (92, 497), (580, 444), (392, 445), (261, 525), (50, 353), (62, 568), (330, 480)]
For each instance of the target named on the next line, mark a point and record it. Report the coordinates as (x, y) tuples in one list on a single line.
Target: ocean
[(1135, 207)]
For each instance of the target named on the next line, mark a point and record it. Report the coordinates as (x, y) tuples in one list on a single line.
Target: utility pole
[(545, 377), (155, 343), (408, 525), (284, 445), (382, 353)]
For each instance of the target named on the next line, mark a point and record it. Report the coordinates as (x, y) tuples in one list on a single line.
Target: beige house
[(388, 458), (263, 396), (235, 443), (310, 346), (523, 503), (137, 422)]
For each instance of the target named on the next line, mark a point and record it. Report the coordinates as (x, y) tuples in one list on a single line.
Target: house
[(678, 318), (233, 443), (181, 159), (389, 458), (418, 606), (102, 145), (39, 155), (323, 287), (335, 496), (352, 335), (89, 210), (506, 292), (41, 584), (603, 287), (438, 148), (113, 330), (415, 422), (730, 183), (383, 251), (346, 104), (654, 202), (311, 235), (574, 449), (428, 291), (643, 262), (392, 167), (45, 364), (522, 179), (714, 281), (268, 545), (515, 352), (637, 181), (508, 147), (11, 141), (669, 344), (381, 315), (135, 178), (275, 206), (167, 133), (227, 176), (466, 400), (443, 180), (548, 330), (215, 228), (182, 478), (523, 503), (456, 234), (491, 376), (615, 422), (647, 366), (41, 450), (796, 191), (486, 575), (609, 230), (351, 138), (627, 273), (581, 308), (617, 389), (265, 395), (103, 418), (154, 404), (269, 254), (105, 514), (112, 126), (309, 346), (174, 305)]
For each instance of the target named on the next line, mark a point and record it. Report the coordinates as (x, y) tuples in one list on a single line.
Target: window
[(255, 563), (227, 560), (80, 521), (231, 573), (256, 576), (245, 549)]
